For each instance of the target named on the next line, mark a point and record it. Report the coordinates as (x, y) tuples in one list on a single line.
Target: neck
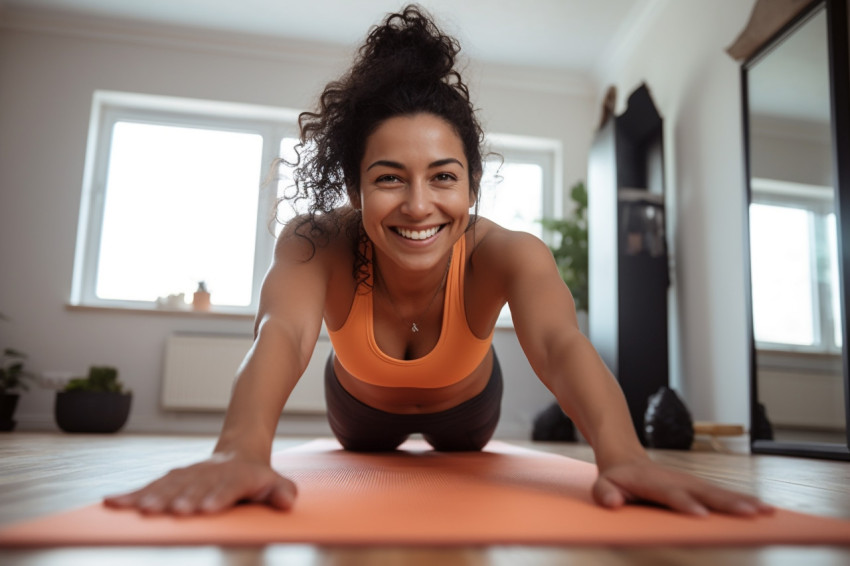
[(413, 302), (403, 284)]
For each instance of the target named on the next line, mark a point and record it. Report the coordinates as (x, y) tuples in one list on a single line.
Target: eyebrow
[(397, 165)]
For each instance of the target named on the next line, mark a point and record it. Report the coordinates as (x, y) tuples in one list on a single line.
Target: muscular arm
[(562, 357), (565, 361), (288, 324)]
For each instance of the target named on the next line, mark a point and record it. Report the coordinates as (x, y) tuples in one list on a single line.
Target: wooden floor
[(46, 473)]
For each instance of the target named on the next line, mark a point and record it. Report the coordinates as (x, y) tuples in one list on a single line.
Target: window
[(518, 185), (174, 195), (794, 267)]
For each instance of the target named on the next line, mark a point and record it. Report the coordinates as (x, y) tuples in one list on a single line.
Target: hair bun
[(410, 46)]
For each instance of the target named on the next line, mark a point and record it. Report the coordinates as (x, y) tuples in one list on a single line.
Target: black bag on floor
[(551, 424), (667, 422)]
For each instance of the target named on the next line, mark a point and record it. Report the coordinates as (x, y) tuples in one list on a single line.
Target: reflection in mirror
[(793, 240)]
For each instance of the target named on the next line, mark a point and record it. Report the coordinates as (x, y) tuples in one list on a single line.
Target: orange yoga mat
[(504, 495)]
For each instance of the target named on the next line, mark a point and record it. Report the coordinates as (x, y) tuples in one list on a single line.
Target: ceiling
[(570, 35)]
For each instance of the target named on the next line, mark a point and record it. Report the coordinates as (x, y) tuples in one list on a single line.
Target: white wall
[(680, 54), (49, 69)]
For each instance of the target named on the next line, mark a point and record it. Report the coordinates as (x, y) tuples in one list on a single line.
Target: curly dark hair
[(406, 66)]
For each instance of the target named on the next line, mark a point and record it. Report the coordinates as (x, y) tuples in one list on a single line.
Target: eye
[(445, 177), (388, 179)]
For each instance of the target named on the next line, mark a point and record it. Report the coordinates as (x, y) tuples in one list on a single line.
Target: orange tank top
[(457, 353)]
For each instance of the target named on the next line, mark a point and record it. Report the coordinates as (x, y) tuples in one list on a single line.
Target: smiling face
[(414, 191)]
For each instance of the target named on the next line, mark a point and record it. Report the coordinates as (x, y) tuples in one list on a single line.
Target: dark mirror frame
[(839, 73)]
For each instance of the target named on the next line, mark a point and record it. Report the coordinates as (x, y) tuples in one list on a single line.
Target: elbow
[(275, 335)]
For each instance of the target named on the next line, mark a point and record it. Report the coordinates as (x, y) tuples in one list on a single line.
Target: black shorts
[(361, 428)]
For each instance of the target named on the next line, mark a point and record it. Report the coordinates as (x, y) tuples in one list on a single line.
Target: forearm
[(591, 396), (263, 384)]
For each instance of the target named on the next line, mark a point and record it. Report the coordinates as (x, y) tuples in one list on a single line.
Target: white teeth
[(418, 234)]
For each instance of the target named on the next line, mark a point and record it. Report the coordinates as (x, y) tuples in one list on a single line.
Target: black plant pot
[(92, 411), (8, 402)]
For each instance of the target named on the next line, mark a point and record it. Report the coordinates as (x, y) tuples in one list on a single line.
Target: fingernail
[(610, 500), (744, 508), (699, 511), (208, 504), (182, 505), (149, 502), (114, 500)]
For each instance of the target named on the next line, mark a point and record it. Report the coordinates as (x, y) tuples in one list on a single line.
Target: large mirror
[(793, 92)]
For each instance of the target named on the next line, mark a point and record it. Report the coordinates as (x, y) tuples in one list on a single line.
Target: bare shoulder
[(501, 251), (312, 270), (311, 256), (319, 240)]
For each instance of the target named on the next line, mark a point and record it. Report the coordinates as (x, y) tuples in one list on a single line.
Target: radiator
[(200, 369)]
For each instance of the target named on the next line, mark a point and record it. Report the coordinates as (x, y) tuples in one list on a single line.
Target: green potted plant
[(13, 378), (571, 253), (96, 403)]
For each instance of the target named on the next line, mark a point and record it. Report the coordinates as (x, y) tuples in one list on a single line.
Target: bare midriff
[(409, 400)]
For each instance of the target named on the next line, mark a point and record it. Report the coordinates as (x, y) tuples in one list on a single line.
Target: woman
[(410, 285)]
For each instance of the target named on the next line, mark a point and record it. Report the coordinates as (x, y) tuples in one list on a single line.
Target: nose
[(417, 202)]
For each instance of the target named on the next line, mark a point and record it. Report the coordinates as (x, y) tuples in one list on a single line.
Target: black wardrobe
[(628, 271)]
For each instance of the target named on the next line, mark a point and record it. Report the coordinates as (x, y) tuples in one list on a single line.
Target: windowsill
[(162, 312), (798, 354), (791, 360), (503, 323)]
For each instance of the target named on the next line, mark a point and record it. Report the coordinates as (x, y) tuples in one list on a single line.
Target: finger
[(130, 499), (271, 489), (156, 501), (765, 508), (731, 502), (188, 501), (682, 501), (668, 493), (608, 494), (122, 500), (282, 496), (159, 496), (222, 497)]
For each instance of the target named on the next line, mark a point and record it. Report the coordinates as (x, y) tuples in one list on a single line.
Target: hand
[(210, 486), (650, 482)]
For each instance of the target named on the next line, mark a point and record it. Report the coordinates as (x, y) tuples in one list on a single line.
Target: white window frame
[(548, 154), (818, 200), (109, 107)]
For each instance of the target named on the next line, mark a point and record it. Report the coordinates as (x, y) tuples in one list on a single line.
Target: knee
[(369, 444), (467, 444)]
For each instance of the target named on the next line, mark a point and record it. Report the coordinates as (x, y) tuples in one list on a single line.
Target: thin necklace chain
[(413, 326)]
